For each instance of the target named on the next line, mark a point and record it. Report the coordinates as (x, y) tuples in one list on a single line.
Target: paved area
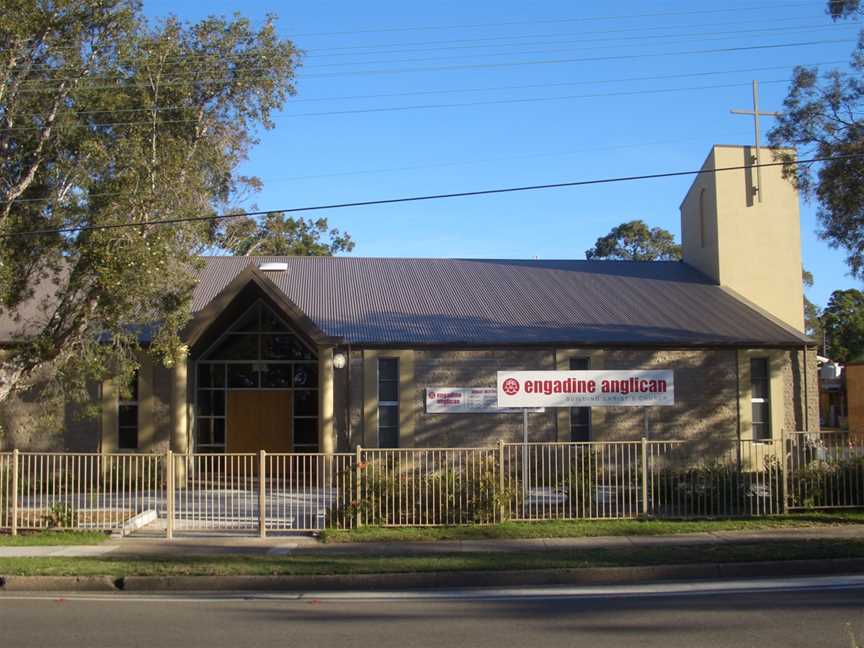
[(151, 545), (806, 613)]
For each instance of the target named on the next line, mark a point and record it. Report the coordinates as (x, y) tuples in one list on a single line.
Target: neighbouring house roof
[(393, 302), (487, 302)]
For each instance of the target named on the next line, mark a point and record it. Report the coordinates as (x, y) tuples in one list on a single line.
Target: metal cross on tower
[(756, 115)]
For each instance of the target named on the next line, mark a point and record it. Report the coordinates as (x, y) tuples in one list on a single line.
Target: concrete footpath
[(211, 544)]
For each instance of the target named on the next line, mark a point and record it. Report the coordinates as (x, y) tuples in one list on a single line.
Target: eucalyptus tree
[(278, 234), (108, 122), (635, 241), (822, 118)]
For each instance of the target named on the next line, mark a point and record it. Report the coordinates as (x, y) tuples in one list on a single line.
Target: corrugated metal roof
[(412, 302)]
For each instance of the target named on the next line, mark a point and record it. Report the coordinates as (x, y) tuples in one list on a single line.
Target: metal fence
[(264, 492)]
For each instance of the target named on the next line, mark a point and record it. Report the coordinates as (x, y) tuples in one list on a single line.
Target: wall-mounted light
[(339, 361)]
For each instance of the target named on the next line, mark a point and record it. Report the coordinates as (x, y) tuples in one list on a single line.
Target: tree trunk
[(11, 373)]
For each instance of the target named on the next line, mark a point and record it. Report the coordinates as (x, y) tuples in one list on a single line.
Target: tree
[(634, 241), (108, 120), (844, 8), (822, 118), (843, 320), (812, 315), (280, 235)]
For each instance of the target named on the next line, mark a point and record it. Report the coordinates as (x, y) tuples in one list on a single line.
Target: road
[(802, 612)]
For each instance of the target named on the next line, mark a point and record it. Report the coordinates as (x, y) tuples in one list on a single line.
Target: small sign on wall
[(465, 400), (586, 388)]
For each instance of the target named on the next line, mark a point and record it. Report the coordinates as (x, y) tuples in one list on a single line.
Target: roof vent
[(273, 266)]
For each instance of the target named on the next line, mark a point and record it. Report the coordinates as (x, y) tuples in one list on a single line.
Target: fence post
[(15, 492), (501, 498), (357, 456), (644, 475), (784, 472), (262, 494), (169, 487)]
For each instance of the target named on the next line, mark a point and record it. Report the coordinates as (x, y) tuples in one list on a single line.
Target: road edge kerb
[(428, 580), (58, 584)]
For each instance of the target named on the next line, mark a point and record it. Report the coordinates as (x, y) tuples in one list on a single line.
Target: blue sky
[(476, 52)]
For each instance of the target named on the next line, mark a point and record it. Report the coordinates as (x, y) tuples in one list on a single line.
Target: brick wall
[(705, 410)]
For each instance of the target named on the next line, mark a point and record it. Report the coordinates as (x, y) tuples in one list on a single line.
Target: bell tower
[(742, 229)]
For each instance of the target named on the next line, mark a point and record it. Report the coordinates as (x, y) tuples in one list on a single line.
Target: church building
[(321, 354)]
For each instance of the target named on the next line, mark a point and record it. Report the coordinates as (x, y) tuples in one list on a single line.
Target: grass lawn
[(46, 538), (309, 564), (588, 528)]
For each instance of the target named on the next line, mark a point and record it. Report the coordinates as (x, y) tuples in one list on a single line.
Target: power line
[(585, 59), (679, 39), (490, 40), (665, 38), (466, 104), (531, 86), (415, 167), (762, 7), (550, 21), (439, 196), (495, 102), (474, 42)]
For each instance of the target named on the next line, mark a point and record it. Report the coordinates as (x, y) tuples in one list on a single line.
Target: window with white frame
[(127, 415), (760, 396), (388, 402)]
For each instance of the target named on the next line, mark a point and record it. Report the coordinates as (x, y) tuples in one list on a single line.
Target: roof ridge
[(421, 258)]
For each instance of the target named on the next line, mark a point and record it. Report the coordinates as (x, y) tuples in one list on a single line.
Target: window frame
[(133, 403), (265, 316), (393, 404), (767, 435)]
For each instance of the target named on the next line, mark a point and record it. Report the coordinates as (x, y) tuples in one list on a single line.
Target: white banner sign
[(463, 400), (585, 388)]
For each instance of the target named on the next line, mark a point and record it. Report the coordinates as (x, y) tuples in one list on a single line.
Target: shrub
[(398, 495), (826, 482), (60, 515)]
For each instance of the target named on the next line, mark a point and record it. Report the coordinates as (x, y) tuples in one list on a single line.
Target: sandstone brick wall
[(162, 382), (477, 369), (30, 420), (705, 396), (802, 410), (705, 410)]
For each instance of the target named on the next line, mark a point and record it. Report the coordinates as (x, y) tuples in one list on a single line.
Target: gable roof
[(484, 302), (250, 276)]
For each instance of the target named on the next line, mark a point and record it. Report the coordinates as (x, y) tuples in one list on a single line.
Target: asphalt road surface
[(803, 612)]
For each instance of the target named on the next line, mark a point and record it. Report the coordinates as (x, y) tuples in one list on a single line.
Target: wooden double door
[(259, 419)]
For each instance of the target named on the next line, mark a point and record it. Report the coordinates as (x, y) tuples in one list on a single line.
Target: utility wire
[(762, 7), (488, 41), (191, 78), (513, 40), (585, 59), (666, 39), (439, 196), (466, 104), (532, 86), (416, 167), (588, 59)]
